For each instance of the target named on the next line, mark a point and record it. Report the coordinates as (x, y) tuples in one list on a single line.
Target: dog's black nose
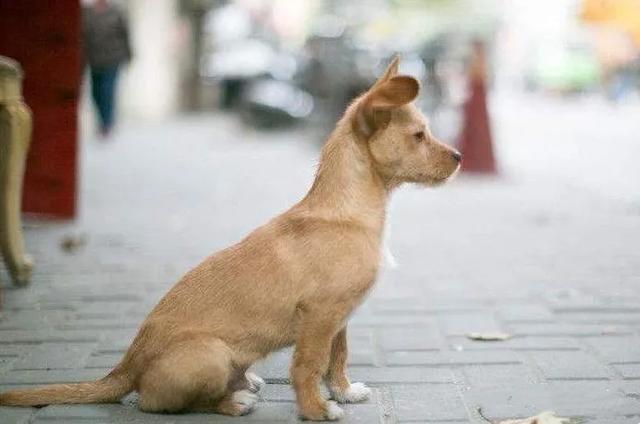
[(457, 156)]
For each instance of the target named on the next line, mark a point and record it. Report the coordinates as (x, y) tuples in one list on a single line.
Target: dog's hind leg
[(236, 403), (245, 380), (190, 373), (240, 396)]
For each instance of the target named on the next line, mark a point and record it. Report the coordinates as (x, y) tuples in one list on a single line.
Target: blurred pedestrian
[(107, 48)]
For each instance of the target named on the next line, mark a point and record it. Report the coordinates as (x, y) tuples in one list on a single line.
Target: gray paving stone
[(275, 368), (16, 415), (6, 362), (633, 307), (614, 420), (96, 311), (572, 299), (264, 412), (564, 365), (14, 349), (359, 338), (426, 337), (107, 297), (631, 389), (532, 343), (591, 398), (499, 375), (453, 358), (400, 375), (29, 319), (49, 376), (525, 313), (362, 413), (278, 393), (629, 371), (5, 387), (118, 342), (99, 326), (78, 421), (362, 357), (272, 412), (285, 393), (459, 324), (70, 412), (428, 403), (398, 305), (380, 320), (601, 317), (55, 356), (566, 329), (459, 302), (423, 306), (450, 422), (507, 402), (104, 360), (47, 336), (616, 350)]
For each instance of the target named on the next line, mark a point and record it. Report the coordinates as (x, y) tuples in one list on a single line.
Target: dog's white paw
[(256, 383), (334, 412), (357, 392), (246, 400)]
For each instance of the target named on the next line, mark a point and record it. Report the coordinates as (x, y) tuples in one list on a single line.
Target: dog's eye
[(419, 136)]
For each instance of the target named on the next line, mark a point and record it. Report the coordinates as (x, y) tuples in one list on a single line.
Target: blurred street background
[(220, 116), (563, 75)]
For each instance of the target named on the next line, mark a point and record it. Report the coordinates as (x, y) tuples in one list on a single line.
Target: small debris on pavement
[(489, 337), (71, 243), (547, 417)]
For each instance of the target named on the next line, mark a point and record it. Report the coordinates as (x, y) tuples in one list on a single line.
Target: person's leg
[(97, 92), (109, 93)]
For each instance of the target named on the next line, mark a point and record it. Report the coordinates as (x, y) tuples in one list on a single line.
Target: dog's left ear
[(385, 95), (394, 92), (391, 71)]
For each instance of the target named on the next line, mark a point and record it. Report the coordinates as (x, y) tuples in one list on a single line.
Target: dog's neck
[(347, 187)]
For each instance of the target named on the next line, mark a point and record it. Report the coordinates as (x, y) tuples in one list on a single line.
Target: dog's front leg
[(310, 362), (341, 389)]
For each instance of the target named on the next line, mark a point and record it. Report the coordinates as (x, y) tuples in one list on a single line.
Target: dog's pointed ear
[(391, 71), (395, 92), (373, 111)]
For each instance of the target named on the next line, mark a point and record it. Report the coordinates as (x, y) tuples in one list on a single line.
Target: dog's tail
[(109, 389)]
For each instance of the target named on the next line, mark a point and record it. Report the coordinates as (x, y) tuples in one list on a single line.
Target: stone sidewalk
[(553, 265)]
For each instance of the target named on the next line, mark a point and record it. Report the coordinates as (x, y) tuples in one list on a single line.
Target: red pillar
[(475, 140), (44, 36)]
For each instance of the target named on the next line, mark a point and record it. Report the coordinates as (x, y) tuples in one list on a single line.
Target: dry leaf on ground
[(546, 417), (489, 337)]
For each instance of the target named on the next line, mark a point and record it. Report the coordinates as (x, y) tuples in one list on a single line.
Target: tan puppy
[(293, 281)]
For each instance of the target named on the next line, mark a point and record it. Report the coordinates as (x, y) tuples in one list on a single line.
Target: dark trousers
[(103, 91)]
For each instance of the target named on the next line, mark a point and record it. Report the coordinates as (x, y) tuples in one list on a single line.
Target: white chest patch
[(387, 260)]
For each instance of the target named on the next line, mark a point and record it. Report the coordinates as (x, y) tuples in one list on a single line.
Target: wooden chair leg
[(15, 137)]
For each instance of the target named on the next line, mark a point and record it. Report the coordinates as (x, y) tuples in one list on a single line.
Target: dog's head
[(401, 146)]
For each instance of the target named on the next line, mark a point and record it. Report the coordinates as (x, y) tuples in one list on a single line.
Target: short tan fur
[(294, 281)]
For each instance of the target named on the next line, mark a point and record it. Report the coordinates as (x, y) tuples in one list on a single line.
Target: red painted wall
[(44, 36)]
